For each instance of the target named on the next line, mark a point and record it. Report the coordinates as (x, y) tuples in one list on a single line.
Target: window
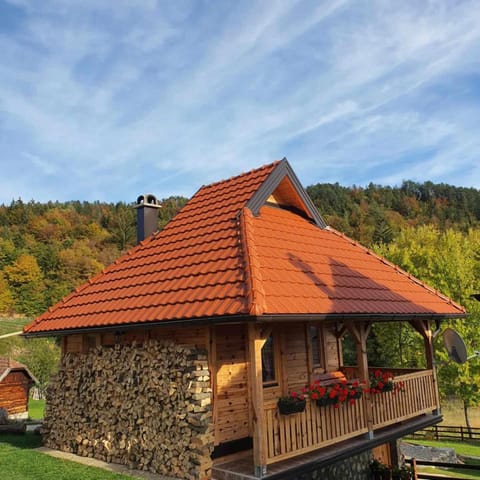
[(268, 363), (315, 343)]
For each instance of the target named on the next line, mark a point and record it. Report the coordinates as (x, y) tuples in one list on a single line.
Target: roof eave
[(138, 325), (310, 317), (374, 317)]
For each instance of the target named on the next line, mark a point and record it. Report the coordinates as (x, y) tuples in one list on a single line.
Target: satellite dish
[(455, 346)]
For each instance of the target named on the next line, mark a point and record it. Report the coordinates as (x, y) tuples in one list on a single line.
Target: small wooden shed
[(15, 382)]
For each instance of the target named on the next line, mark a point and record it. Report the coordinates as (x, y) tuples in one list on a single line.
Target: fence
[(433, 476), (448, 432)]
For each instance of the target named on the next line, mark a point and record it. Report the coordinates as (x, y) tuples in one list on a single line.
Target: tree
[(6, 297), (7, 252), (41, 356), (448, 261), (26, 282)]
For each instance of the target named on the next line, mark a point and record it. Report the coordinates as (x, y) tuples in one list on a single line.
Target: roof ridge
[(256, 294), (398, 269), (244, 174)]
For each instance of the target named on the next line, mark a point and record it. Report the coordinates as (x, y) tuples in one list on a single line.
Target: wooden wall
[(295, 357), (333, 348), (382, 454), (231, 406), (197, 336), (14, 392)]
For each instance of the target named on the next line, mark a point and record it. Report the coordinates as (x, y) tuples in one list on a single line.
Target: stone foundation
[(353, 468), (145, 406)]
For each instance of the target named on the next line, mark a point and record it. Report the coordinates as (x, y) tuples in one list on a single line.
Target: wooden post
[(423, 327), (414, 469), (359, 332), (212, 363), (255, 344), (283, 361)]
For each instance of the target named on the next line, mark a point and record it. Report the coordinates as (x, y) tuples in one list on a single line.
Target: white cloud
[(347, 90)]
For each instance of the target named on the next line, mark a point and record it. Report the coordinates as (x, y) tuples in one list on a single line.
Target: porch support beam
[(359, 332), (255, 343), (423, 327)]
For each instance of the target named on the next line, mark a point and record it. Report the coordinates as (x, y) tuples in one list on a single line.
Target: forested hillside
[(46, 250), (377, 214)]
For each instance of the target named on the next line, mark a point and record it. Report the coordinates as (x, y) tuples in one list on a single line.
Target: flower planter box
[(289, 408), (325, 401)]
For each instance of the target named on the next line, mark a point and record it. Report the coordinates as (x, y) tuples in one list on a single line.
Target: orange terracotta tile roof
[(217, 259), (302, 268)]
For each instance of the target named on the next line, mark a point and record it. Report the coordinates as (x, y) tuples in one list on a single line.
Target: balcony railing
[(291, 435), (418, 397), (318, 427)]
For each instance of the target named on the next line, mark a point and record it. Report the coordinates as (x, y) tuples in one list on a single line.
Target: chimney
[(147, 216)]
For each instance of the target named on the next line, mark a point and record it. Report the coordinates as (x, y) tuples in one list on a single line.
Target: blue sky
[(103, 100)]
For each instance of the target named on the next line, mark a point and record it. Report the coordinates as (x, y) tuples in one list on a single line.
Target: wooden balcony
[(318, 427)]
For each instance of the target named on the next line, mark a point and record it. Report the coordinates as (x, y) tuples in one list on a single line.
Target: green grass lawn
[(18, 461), (36, 409), (10, 325), (465, 449)]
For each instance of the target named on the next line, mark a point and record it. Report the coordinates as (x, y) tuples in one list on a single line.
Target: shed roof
[(7, 365), (252, 245)]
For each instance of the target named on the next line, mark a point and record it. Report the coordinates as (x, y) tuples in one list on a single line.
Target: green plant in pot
[(379, 471), (293, 403), (402, 473)]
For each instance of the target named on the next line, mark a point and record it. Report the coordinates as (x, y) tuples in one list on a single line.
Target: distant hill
[(376, 214)]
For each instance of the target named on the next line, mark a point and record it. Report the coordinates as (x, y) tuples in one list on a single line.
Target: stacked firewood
[(146, 406)]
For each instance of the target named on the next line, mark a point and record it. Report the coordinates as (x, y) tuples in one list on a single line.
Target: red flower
[(314, 396), (351, 401), (294, 394)]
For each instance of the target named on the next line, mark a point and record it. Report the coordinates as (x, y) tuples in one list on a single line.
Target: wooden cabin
[(15, 382), (249, 294)]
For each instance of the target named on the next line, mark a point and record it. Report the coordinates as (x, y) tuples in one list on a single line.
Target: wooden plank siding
[(185, 336), (295, 357), (14, 392), (232, 388), (332, 347)]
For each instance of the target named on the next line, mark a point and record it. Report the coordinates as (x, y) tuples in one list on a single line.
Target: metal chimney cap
[(147, 200)]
